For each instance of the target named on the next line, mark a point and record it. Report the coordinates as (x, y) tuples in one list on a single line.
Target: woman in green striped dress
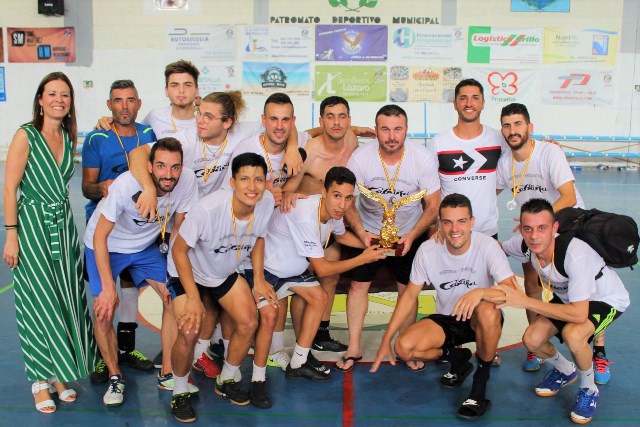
[(42, 247)]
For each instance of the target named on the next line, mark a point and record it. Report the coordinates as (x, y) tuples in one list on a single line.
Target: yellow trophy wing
[(408, 199), (373, 196)]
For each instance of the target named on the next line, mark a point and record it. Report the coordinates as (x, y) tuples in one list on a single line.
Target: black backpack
[(614, 237)]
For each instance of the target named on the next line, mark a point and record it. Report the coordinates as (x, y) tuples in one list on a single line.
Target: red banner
[(1, 46), (42, 44)]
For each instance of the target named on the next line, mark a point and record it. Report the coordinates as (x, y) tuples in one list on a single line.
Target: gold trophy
[(389, 232)]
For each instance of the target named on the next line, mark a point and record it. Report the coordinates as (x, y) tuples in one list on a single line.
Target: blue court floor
[(392, 397)]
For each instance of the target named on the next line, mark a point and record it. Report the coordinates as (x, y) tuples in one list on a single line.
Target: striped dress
[(55, 329)]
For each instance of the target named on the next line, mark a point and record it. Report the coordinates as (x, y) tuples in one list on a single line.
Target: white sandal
[(69, 395), (36, 388)]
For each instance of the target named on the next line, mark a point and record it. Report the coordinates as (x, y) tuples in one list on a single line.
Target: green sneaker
[(101, 374), (136, 360)]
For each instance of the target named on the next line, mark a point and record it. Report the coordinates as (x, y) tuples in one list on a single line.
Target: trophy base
[(395, 250)]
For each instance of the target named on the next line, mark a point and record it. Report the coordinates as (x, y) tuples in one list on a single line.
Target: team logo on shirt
[(458, 162), (532, 187), (225, 249), (455, 283)]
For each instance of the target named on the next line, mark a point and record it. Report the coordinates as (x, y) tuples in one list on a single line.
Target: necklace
[(220, 151), (326, 243), (546, 291), (164, 247), (126, 155), (392, 184), (511, 204), (235, 233), (266, 156)]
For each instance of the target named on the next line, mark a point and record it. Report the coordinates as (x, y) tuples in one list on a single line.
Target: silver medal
[(164, 248), (392, 200), (511, 204)]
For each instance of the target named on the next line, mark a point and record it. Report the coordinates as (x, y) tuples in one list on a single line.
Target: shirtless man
[(333, 147)]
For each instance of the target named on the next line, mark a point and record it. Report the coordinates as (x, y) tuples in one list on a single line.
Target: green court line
[(6, 288)]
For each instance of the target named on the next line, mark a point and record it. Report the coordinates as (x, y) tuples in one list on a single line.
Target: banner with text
[(360, 83), (218, 78), (277, 43), (578, 86), (423, 84), (497, 46), (201, 43), (507, 85), (265, 78), (442, 45), (563, 46), (1, 46), (351, 43), (403, 12), (42, 44)]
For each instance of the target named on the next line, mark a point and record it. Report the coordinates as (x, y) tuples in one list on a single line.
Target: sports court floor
[(392, 397)]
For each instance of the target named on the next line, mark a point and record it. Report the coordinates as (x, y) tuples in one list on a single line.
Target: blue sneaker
[(554, 381), (532, 362), (584, 407), (601, 372)]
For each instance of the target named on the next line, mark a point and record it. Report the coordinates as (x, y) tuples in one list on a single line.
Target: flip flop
[(404, 362), (345, 360), (472, 409)]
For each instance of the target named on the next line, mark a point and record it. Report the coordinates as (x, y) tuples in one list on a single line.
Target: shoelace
[(138, 355), (531, 356), (114, 386), (601, 364), (101, 366), (583, 401)]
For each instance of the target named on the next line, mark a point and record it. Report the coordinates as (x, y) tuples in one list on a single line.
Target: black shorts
[(457, 332), (215, 293), (601, 315), (400, 266)]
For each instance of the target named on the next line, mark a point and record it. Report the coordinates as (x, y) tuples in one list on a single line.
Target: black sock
[(126, 336), (458, 358), (599, 351), (323, 331), (480, 379)]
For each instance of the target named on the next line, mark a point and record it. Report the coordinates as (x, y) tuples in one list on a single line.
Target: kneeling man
[(584, 304), (463, 272)]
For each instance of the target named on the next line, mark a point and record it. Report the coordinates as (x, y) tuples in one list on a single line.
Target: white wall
[(122, 39)]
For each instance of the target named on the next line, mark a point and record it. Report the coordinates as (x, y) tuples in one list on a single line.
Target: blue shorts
[(148, 264)]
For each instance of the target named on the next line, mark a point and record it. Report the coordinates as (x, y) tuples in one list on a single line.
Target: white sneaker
[(165, 382), (279, 359), (115, 391)]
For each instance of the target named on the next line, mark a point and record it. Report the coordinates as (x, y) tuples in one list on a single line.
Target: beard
[(165, 185), (524, 139)]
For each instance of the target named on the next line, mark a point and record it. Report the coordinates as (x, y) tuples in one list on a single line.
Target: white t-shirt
[(253, 145), (452, 276), (294, 236), (581, 264), (547, 171), (417, 172), (468, 167), (133, 233), (208, 231), (165, 125)]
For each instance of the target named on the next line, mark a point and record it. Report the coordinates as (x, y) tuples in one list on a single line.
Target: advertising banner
[(498, 46), (42, 44), (351, 43), (507, 85), (423, 84), (362, 83), (439, 45), (201, 43), (578, 86), (589, 46), (277, 43), (265, 78), (218, 78)]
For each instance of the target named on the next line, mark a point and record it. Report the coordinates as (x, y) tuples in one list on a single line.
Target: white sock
[(561, 363), (201, 348), (128, 308), (226, 346), (180, 384), (259, 374), (277, 342), (217, 334), (299, 356), (587, 379), (228, 372)]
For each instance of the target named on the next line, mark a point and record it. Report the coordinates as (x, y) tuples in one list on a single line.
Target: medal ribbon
[(524, 170), (126, 156), (163, 224), (326, 243), (235, 233), (208, 172), (546, 291), (266, 157)]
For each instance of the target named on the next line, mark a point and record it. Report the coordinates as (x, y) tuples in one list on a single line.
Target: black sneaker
[(329, 345), (455, 380), (216, 349), (101, 374), (317, 365), (157, 361), (136, 360), (306, 371), (231, 390), (181, 408), (259, 396)]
